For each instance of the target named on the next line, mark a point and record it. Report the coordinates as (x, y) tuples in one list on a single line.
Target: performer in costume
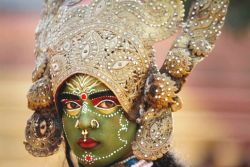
[(96, 86)]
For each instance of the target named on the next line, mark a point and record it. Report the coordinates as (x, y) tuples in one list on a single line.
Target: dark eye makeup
[(106, 104), (97, 100), (71, 104), (102, 100), (100, 94)]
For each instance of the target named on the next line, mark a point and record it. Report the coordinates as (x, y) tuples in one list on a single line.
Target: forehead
[(82, 83)]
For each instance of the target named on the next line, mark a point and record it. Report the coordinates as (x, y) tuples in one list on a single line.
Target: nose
[(85, 118), (84, 123)]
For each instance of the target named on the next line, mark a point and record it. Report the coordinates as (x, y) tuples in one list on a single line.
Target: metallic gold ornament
[(40, 95), (94, 123), (153, 138), (179, 63), (40, 67), (85, 134), (112, 40), (43, 133), (160, 91), (199, 35), (105, 39), (197, 40)]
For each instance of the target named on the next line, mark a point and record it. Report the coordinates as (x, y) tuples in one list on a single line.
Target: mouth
[(89, 143)]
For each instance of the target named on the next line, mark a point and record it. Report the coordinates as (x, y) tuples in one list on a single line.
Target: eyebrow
[(69, 96), (100, 94)]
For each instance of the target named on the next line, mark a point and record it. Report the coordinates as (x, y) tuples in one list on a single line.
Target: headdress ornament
[(112, 40)]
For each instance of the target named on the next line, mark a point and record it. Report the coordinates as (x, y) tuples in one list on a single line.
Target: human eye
[(71, 107), (106, 104)]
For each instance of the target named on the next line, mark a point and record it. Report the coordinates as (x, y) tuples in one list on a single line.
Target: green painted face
[(94, 123)]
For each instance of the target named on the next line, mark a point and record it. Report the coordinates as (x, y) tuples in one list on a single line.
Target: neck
[(128, 162)]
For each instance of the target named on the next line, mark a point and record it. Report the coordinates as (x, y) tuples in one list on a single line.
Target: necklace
[(129, 161), (133, 162)]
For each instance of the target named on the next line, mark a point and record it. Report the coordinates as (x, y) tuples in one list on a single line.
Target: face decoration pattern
[(94, 123), (111, 43)]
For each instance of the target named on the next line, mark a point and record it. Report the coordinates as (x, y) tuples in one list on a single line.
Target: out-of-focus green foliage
[(238, 18)]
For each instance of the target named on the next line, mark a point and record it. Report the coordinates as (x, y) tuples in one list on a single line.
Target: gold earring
[(94, 123)]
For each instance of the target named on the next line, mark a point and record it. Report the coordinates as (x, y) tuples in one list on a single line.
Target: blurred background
[(212, 129)]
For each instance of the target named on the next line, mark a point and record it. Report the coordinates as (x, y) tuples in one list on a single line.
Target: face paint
[(94, 123)]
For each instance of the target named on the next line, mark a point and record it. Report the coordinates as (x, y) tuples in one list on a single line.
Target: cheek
[(129, 131), (69, 130), (109, 128), (132, 129), (117, 129)]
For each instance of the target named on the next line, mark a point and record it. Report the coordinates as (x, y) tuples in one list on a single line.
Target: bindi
[(84, 96)]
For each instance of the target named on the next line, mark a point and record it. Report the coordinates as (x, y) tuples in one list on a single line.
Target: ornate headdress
[(112, 40)]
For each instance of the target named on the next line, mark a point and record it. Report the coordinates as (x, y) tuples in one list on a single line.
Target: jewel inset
[(88, 158), (84, 96)]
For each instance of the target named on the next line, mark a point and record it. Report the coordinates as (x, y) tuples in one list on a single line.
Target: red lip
[(89, 143)]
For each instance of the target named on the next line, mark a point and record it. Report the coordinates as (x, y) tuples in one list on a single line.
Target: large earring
[(154, 135), (153, 138), (43, 133), (94, 124)]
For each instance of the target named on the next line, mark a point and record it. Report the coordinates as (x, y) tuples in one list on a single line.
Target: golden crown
[(112, 40)]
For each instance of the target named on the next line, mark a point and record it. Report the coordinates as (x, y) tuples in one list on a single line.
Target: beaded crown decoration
[(112, 40), (108, 39)]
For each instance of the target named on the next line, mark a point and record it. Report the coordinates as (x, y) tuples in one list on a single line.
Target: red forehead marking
[(84, 96)]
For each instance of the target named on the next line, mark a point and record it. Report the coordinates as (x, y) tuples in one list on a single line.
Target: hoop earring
[(94, 123)]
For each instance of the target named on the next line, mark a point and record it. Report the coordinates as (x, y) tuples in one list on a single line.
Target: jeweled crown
[(108, 39), (112, 40)]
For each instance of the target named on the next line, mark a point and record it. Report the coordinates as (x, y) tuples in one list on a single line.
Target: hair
[(67, 147), (67, 152), (168, 160)]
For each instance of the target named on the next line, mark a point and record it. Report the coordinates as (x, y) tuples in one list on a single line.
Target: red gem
[(84, 96), (88, 158)]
